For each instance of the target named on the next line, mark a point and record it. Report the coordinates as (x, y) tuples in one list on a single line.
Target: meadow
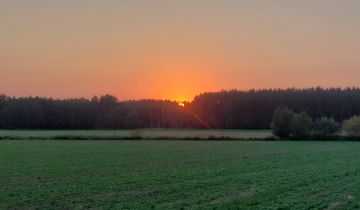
[(143, 133), (179, 174)]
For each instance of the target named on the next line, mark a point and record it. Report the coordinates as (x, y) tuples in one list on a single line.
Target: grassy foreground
[(175, 175)]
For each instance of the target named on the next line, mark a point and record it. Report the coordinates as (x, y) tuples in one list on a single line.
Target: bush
[(301, 125), (325, 127), (352, 126), (281, 122)]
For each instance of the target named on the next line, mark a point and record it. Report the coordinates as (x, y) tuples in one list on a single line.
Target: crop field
[(179, 174), (144, 133)]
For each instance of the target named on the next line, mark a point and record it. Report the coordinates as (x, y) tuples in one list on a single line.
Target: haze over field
[(175, 49)]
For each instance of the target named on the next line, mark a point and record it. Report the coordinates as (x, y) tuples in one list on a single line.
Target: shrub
[(301, 125), (352, 126), (325, 127), (281, 122)]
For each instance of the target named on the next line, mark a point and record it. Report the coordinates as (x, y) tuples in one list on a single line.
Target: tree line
[(232, 109), (105, 112), (286, 124)]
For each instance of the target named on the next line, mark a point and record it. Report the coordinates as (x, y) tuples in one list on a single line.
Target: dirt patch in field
[(235, 196), (338, 204), (334, 205)]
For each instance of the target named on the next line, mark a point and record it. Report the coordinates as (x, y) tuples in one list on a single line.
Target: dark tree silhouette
[(224, 110)]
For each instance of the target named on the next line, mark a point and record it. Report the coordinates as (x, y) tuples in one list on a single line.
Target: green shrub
[(325, 127), (352, 126), (281, 122), (301, 125)]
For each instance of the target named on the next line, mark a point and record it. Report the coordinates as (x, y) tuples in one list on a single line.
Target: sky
[(172, 49)]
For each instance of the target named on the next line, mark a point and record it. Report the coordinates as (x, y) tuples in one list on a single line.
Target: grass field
[(145, 133), (176, 175)]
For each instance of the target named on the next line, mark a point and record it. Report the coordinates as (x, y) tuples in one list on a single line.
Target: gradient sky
[(175, 48)]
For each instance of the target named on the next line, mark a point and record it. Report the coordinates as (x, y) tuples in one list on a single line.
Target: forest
[(232, 109)]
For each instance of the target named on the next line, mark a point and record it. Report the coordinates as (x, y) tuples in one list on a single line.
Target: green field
[(145, 133), (176, 175)]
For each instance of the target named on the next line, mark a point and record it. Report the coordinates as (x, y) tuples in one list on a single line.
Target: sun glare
[(182, 104)]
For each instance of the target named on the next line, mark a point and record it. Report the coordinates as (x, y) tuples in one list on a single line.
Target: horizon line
[(176, 100)]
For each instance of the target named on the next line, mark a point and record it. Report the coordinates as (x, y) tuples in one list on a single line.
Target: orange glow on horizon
[(177, 76)]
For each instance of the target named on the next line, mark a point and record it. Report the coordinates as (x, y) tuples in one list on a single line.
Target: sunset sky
[(175, 49)]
